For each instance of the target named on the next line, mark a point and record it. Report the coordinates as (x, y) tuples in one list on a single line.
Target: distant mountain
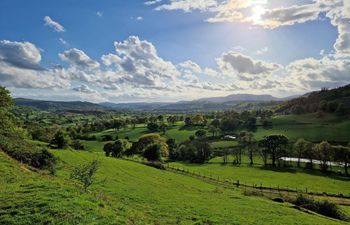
[(239, 102), (76, 106), (241, 98)]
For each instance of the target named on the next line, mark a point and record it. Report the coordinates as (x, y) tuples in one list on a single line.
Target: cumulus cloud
[(20, 54), (53, 24), (140, 64), (312, 74), (235, 63), (284, 16), (77, 57)]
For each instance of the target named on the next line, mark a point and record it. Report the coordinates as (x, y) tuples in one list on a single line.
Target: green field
[(292, 178), (309, 127), (130, 193)]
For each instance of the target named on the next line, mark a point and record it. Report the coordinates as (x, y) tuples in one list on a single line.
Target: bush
[(27, 154), (321, 207), (107, 138)]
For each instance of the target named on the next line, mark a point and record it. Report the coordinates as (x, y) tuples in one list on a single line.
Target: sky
[(172, 50)]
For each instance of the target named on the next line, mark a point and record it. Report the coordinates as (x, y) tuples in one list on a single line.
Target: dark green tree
[(275, 145)]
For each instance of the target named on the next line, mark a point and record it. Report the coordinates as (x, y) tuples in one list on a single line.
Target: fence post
[(237, 183)]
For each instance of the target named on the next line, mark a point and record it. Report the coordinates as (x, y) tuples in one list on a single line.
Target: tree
[(5, 98), (116, 149), (342, 155), (172, 148), (59, 141), (163, 128), (215, 123), (275, 145), (146, 140), (171, 120), (323, 151), (160, 118), (198, 119), (213, 130), (300, 146), (340, 111), (76, 144), (153, 127), (248, 142), (108, 148), (204, 151), (153, 153), (117, 124), (188, 121), (200, 133), (85, 173), (310, 154)]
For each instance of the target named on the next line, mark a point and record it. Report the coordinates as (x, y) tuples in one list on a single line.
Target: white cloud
[(262, 51), (153, 2), (236, 64), (63, 42), (284, 16), (20, 54), (78, 58), (139, 63), (53, 24), (188, 5), (84, 88), (313, 74), (99, 14)]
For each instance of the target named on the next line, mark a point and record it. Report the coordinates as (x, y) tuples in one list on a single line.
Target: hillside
[(76, 106), (333, 101), (128, 193)]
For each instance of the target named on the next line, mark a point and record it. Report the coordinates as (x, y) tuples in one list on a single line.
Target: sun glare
[(257, 13)]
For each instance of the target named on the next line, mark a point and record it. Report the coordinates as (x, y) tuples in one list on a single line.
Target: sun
[(257, 12)]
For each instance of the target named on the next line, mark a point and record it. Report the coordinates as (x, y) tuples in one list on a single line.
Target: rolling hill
[(328, 100)]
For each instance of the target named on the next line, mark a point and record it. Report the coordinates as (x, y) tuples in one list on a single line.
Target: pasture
[(293, 178)]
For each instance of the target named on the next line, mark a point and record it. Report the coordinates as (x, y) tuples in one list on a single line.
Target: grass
[(175, 132), (28, 197), (153, 196), (224, 144), (309, 127), (283, 177), (130, 193)]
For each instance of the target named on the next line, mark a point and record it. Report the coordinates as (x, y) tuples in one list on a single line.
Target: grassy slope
[(288, 177), (27, 197), (309, 127), (152, 196), (126, 192)]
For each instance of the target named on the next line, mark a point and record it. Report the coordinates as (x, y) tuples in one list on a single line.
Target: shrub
[(27, 154), (85, 173), (321, 207)]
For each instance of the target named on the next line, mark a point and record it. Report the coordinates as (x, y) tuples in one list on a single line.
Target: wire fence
[(231, 184), (238, 184)]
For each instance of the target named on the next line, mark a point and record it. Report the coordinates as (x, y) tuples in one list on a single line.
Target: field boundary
[(238, 184), (231, 184)]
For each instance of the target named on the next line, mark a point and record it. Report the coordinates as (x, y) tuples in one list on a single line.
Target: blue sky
[(194, 48)]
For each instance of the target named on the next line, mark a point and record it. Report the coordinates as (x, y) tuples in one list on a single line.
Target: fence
[(237, 184), (232, 184)]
